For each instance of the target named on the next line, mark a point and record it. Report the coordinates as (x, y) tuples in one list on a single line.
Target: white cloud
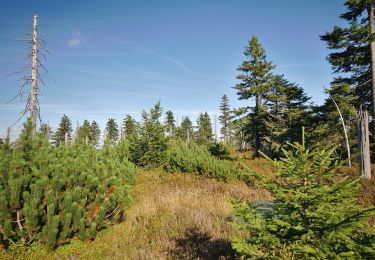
[(76, 40)]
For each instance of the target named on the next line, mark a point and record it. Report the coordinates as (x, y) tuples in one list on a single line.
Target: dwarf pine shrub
[(50, 194), (314, 213), (194, 158)]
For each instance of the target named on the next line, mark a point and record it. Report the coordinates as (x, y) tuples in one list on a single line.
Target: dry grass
[(173, 216)]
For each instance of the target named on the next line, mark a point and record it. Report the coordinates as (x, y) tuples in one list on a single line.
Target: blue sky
[(110, 58)]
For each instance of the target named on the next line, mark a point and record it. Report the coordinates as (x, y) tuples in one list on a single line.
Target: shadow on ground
[(198, 245)]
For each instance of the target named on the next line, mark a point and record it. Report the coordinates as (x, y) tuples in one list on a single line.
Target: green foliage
[(150, 147), (256, 81), (170, 123), (225, 119), (203, 134), (351, 50), (194, 158), (65, 126), (129, 128), (221, 151), (111, 131), (95, 133), (313, 214), (51, 194), (185, 131)]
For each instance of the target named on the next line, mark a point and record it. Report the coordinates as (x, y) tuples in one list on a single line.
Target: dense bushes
[(193, 158), (51, 194), (314, 213)]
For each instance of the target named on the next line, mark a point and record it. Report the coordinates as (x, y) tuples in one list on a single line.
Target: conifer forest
[(273, 175)]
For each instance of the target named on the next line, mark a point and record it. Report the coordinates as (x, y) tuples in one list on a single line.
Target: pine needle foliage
[(314, 213), (50, 194), (194, 158)]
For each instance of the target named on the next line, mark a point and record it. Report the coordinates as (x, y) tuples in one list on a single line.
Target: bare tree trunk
[(66, 139), (257, 134), (345, 133), (364, 145), (370, 10), (34, 77)]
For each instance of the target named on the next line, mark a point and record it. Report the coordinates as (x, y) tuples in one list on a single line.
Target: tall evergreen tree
[(95, 133), (152, 143), (225, 118), (256, 82), (287, 113), (186, 130), (351, 56), (170, 122), (203, 134), (111, 130), (129, 127), (84, 133), (46, 130), (326, 124), (65, 126)]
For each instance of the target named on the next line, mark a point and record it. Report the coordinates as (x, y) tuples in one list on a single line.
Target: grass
[(173, 216)]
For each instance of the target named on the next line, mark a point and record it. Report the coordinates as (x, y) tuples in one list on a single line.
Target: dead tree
[(344, 130), (364, 144), (34, 65)]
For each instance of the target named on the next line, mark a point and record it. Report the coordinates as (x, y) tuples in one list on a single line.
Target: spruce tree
[(129, 127), (351, 46), (203, 134), (256, 82), (111, 130), (225, 119), (95, 133), (46, 130), (326, 124), (288, 112), (151, 145), (170, 122), (65, 127), (84, 132), (186, 130), (313, 215)]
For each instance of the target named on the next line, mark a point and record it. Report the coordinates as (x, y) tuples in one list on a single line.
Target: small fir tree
[(314, 213)]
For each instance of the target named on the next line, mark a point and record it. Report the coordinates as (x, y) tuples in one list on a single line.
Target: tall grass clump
[(194, 158)]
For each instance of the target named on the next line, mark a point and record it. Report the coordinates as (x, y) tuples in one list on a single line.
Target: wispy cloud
[(76, 40)]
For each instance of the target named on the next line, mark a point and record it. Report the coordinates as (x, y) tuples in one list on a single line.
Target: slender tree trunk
[(34, 77), (364, 145), (257, 132), (345, 133), (370, 11)]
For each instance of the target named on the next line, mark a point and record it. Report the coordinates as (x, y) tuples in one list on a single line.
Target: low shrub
[(50, 194), (194, 158)]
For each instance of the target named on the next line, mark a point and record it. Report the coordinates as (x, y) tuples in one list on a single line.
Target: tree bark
[(258, 105), (34, 77), (364, 145)]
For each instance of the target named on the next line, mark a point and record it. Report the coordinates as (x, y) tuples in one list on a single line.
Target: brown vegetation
[(173, 216)]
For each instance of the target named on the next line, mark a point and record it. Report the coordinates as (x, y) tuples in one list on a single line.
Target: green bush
[(314, 213), (50, 194), (221, 151), (193, 158)]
